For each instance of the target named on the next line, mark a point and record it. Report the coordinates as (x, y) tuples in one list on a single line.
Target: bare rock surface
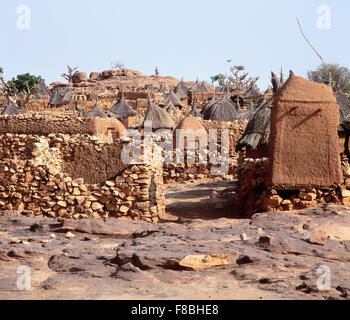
[(195, 259)]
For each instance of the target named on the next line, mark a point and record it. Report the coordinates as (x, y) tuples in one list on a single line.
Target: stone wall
[(256, 193), (36, 177), (184, 172)]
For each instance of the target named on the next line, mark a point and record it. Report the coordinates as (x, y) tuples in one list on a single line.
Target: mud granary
[(306, 164)]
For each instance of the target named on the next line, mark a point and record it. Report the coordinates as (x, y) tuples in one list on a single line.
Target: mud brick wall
[(34, 179), (44, 124), (257, 194), (185, 172)]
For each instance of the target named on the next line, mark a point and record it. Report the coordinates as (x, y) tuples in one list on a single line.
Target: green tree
[(332, 74), (1, 70), (219, 78), (23, 81)]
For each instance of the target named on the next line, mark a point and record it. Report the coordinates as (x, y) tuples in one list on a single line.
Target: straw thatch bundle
[(258, 129)]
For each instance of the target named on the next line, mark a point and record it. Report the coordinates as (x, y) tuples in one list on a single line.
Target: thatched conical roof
[(121, 109), (208, 105), (181, 91), (194, 112), (174, 100), (95, 112), (222, 110), (257, 131), (61, 97), (182, 86), (198, 87), (12, 110), (344, 112), (159, 118), (253, 92)]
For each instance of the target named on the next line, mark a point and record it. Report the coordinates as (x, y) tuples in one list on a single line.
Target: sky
[(183, 38)]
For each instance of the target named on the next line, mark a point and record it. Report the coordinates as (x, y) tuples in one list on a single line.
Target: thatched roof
[(121, 109), (222, 110), (198, 87), (159, 118), (182, 86), (344, 112), (208, 105), (253, 92), (257, 131), (169, 107), (61, 97), (95, 112), (194, 112), (174, 100), (181, 91), (12, 110)]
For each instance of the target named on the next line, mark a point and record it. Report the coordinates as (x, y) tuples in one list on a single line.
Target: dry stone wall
[(256, 193), (35, 179)]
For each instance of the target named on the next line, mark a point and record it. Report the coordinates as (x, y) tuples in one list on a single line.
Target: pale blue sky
[(186, 38)]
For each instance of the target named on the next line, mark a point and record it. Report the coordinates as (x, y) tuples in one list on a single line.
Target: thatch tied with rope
[(198, 87), (222, 110), (121, 109), (12, 110), (194, 111), (96, 112), (257, 133), (61, 97), (174, 100), (159, 117)]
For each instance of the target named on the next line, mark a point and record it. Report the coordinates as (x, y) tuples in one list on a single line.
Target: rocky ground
[(272, 256)]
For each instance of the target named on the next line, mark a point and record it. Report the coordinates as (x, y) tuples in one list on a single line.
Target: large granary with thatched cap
[(158, 117), (304, 146), (123, 112)]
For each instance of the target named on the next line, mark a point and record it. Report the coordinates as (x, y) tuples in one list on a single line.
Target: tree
[(156, 71), (68, 76), (13, 90), (220, 79), (1, 71), (118, 65), (239, 81), (332, 74), (24, 81)]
